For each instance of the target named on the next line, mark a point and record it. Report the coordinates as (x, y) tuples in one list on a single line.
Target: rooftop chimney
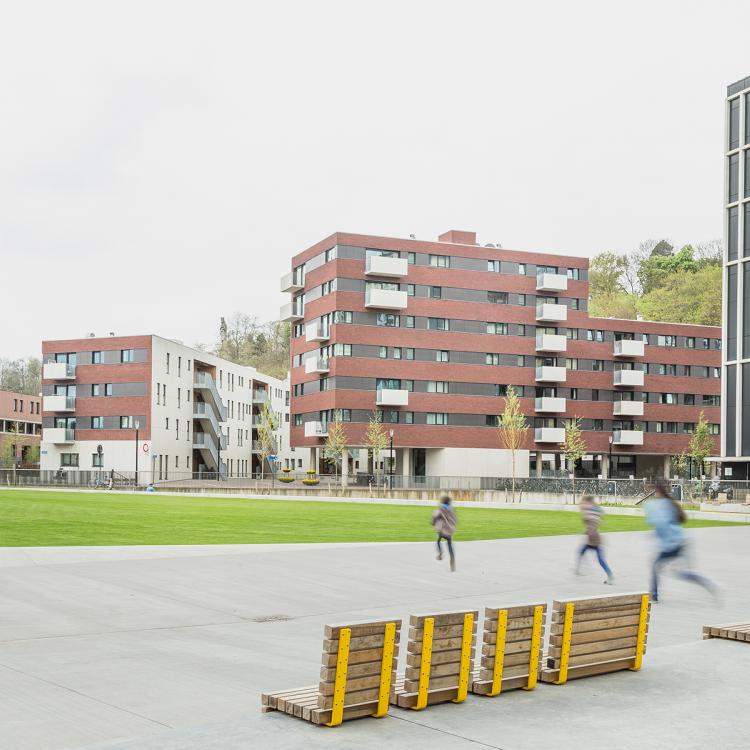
[(458, 237)]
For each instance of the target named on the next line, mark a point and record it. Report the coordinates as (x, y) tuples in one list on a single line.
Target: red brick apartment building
[(21, 427), (432, 333)]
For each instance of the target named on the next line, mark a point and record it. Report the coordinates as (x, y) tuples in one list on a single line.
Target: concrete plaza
[(170, 647)]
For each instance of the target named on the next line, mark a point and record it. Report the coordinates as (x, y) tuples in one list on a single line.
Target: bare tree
[(512, 429)]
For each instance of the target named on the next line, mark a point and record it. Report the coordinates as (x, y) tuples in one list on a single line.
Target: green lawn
[(32, 519)]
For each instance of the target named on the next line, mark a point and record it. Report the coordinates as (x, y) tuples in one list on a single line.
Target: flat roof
[(737, 86)]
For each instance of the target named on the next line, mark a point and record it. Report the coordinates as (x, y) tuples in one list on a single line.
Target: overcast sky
[(160, 162)]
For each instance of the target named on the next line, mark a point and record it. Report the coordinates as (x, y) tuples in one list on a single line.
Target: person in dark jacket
[(444, 522), (592, 516)]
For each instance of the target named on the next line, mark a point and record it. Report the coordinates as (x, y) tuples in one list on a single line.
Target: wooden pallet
[(737, 631), (590, 636), (511, 649), (357, 676), (439, 659)]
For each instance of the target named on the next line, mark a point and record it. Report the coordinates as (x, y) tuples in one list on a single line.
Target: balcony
[(58, 371), (549, 404), (628, 348), (549, 434), (391, 397), (627, 437), (551, 282), (290, 282), (260, 397), (58, 435), (316, 364), (316, 332), (203, 381), (551, 374), (629, 378), (316, 429), (380, 265), (546, 312), (289, 313), (628, 409), (386, 299), (59, 403), (551, 342)]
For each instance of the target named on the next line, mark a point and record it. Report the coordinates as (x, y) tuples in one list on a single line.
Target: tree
[(701, 443), (655, 271), (266, 435), (15, 444), (512, 429), (618, 305), (336, 443), (680, 464), (605, 274), (574, 447), (21, 375), (686, 298), (376, 439), (246, 341)]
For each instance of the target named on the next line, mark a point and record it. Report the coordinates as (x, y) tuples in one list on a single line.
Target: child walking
[(592, 516), (444, 522)]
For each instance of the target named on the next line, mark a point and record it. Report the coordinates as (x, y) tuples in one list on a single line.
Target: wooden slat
[(522, 623), (590, 626), (596, 635), (482, 687), (411, 686), (518, 671), (409, 700), (439, 644), (364, 627), (514, 612), (511, 660), (353, 685), (357, 657), (443, 618), (442, 631), (596, 614), (360, 642), (352, 698), (596, 647), (436, 670), (583, 604), (328, 674), (586, 659), (512, 637), (441, 657), (588, 670), (488, 649)]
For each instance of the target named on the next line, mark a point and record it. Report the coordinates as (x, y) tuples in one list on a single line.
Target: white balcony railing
[(629, 378), (381, 265), (551, 342), (290, 313), (392, 397), (58, 435), (290, 282), (58, 371), (316, 332), (551, 282), (386, 299), (628, 408), (551, 374), (627, 437), (549, 404), (549, 434), (316, 429), (547, 312), (316, 364), (59, 403), (628, 348)]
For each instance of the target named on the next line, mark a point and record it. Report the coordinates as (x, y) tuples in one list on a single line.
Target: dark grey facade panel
[(733, 178), (732, 233), (734, 124), (731, 303), (730, 411), (746, 232), (746, 310), (745, 424)]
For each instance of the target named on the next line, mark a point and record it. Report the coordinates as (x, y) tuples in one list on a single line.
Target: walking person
[(666, 516), (444, 522), (592, 514)]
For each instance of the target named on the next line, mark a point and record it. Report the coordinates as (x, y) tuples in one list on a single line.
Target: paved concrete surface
[(170, 647)]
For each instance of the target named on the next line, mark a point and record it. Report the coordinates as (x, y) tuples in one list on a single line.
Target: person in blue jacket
[(666, 516)]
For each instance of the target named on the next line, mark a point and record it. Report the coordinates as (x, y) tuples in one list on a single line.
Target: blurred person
[(444, 522), (666, 516), (592, 514)]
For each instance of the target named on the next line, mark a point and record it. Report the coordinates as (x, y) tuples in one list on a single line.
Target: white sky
[(160, 162)]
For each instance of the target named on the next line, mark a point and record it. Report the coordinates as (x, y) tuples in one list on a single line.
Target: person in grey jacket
[(444, 522), (592, 516)]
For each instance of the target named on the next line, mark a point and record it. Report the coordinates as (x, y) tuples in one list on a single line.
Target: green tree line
[(21, 375), (245, 340), (658, 282)]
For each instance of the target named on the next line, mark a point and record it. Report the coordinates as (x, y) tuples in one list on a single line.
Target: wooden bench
[(737, 631), (596, 635), (439, 659), (357, 677), (511, 649)]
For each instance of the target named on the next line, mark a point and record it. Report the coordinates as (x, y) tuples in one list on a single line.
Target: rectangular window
[(126, 423), (733, 177), (438, 324), (688, 399), (711, 400), (493, 266), (97, 423), (167, 363), (97, 460), (441, 355), (573, 273), (734, 124), (668, 398), (440, 261), (597, 365), (343, 316), (408, 385), (571, 363), (440, 418), (396, 352), (436, 292), (96, 390), (666, 340), (383, 352), (521, 299), (522, 269), (409, 321), (492, 358), (732, 233), (408, 352), (437, 386), (389, 320), (127, 355), (491, 420), (411, 258), (96, 358), (342, 350), (498, 298), (108, 389), (69, 459), (330, 255), (572, 334), (408, 417), (499, 329), (410, 290), (690, 342)]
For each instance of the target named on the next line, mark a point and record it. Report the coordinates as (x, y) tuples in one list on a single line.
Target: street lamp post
[(390, 483), (137, 427), (609, 467)]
